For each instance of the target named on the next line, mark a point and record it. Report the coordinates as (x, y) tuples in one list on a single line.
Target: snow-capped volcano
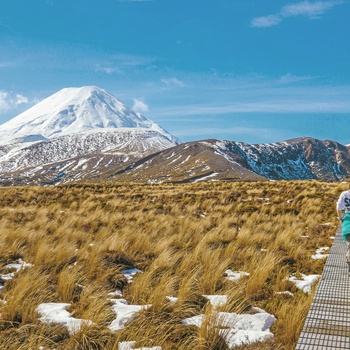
[(75, 134), (72, 111)]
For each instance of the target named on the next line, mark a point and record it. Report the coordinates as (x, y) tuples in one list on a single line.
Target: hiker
[(343, 211)]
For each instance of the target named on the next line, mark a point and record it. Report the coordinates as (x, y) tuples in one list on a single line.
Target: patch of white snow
[(239, 329), (287, 292), (57, 313), (217, 300), (320, 253), (125, 313), (306, 283), (235, 276)]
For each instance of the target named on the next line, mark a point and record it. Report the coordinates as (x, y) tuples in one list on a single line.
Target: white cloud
[(121, 63), (290, 78), (173, 82), (292, 105), (20, 99), (140, 106), (108, 70), (267, 21), (306, 8), (10, 100)]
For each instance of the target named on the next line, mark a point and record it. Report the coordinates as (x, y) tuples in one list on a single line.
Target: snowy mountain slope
[(301, 158), (136, 142), (83, 168), (206, 160), (188, 162), (212, 160), (71, 111)]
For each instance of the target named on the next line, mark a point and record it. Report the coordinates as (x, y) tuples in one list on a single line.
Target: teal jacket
[(346, 226)]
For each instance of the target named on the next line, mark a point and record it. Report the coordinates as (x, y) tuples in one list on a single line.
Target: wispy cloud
[(292, 106), (290, 79), (266, 21), (108, 69), (74, 59), (309, 9), (313, 10), (208, 95), (173, 82), (288, 94), (140, 106), (10, 100), (121, 63)]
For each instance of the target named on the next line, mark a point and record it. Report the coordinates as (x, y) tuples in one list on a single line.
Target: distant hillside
[(210, 160), (207, 160)]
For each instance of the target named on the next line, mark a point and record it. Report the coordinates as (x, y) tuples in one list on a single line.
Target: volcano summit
[(72, 111)]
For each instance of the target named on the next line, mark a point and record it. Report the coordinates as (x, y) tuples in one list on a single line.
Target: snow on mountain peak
[(75, 110)]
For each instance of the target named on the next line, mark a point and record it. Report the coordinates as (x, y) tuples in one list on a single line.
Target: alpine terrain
[(86, 134), (73, 134), (213, 160)]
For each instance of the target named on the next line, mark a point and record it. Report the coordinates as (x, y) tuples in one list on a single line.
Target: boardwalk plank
[(327, 325)]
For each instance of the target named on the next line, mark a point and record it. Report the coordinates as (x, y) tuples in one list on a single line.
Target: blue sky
[(240, 70)]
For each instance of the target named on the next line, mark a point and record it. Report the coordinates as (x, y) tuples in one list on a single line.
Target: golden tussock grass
[(183, 238)]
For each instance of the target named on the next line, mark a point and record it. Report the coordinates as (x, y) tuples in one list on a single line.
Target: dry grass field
[(79, 239)]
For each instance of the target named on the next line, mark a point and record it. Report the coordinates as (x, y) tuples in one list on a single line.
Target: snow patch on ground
[(320, 253), (57, 313), (306, 283), (235, 276), (287, 292), (238, 329), (125, 313), (18, 265), (217, 300), (172, 300), (206, 177)]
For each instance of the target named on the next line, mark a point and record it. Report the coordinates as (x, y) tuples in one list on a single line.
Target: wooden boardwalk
[(327, 325)]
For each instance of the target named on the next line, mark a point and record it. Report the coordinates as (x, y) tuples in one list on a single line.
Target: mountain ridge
[(301, 158), (205, 160)]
